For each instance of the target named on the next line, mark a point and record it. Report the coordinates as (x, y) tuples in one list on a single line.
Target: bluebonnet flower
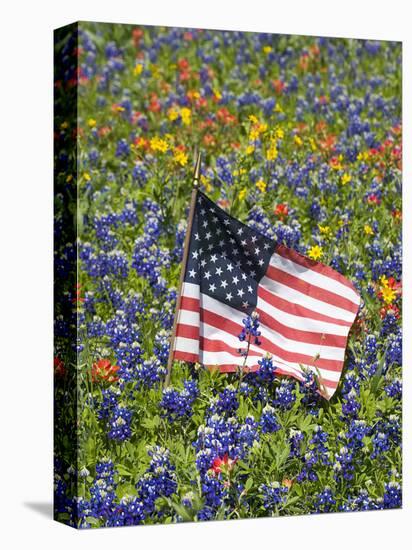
[(295, 440), (129, 511), (392, 427), (149, 373), (268, 420), (325, 501), (381, 444), (177, 252), (119, 423), (250, 332), (213, 490), (102, 492), (187, 499), (274, 495), (318, 445), (394, 389), (285, 394), (227, 402), (357, 431), (371, 348), (161, 347), (309, 384), (266, 371), (109, 402), (245, 389), (178, 404), (204, 459), (248, 432), (392, 497), (394, 351), (389, 324), (158, 480), (351, 383), (343, 466), (307, 472), (96, 327), (350, 405), (140, 173), (206, 514), (363, 501)]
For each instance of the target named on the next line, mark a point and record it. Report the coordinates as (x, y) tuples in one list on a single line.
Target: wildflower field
[(300, 139)]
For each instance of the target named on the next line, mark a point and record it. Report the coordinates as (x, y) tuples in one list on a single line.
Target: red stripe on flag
[(310, 290), (205, 344), (234, 329), (296, 309), (191, 304), (187, 331), (306, 262), (317, 338), (185, 356)]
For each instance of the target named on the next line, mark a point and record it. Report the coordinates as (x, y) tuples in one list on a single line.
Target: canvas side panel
[(66, 290)]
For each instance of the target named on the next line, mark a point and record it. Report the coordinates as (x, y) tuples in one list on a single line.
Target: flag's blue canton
[(226, 258)]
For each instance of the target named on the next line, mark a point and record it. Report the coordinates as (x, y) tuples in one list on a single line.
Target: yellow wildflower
[(261, 185), (279, 133), (172, 114), (388, 295), (91, 122), (64, 125), (239, 172), (154, 70), (180, 157), (363, 156), (253, 119), (346, 178), (206, 183), (217, 94), (384, 281), (86, 176), (250, 149), (119, 108), (159, 144), (138, 69), (368, 229), (257, 129), (336, 163), (69, 178), (186, 115), (325, 230), (242, 194), (193, 94), (254, 134), (315, 252), (272, 152), (278, 108), (267, 49), (298, 140), (312, 143)]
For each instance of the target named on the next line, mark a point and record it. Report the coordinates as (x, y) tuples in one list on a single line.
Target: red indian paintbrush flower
[(104, 371), (281, 210), (224, 464), (59, 368)]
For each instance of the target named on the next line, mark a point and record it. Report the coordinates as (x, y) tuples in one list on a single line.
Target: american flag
[(305, 308)]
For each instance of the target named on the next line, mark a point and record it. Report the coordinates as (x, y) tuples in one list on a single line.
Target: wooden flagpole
[(184, 263)]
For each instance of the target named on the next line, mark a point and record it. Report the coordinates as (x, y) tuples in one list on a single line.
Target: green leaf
[(248, 484)]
